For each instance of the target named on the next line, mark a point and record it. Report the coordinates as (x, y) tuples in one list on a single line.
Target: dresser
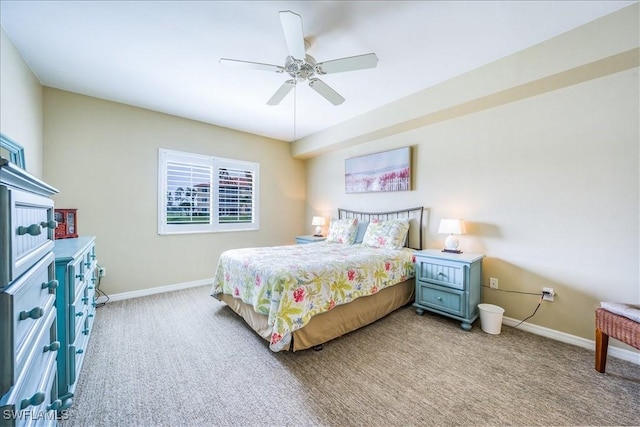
[(300, 240), (77, 274), (449, 284), (28, 288)]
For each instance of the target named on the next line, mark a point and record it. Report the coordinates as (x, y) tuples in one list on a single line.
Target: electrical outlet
[(102, 271), (493, 283), (548, 294)]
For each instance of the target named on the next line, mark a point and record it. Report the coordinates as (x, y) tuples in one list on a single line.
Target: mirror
[(12, 151)]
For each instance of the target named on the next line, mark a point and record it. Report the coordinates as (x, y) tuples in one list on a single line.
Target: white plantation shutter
[(198, 193)]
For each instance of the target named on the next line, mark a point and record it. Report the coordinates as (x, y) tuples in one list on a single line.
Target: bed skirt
[(341, 320)]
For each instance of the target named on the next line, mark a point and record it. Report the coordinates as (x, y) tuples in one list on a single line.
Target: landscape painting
[(385, 171)]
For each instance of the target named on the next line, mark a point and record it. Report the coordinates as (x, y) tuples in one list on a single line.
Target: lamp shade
[(317, 220), (452, 226)]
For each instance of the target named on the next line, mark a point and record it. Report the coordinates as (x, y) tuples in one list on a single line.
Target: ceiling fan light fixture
[(303, 67)]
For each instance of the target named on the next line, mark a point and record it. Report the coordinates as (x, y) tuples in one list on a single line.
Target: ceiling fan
[(302, 67)]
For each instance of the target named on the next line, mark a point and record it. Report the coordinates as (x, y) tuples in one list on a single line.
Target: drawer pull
[(87, 264), (49, 224), (51, 284), (85, 300), (35, 400), (85, 331), (54, 346), (34, 313), (67, 403), (90, 315), (56, 405), (80, 276), (79, 351), (439, 298), (441, 274), (33, 230), (79, 314), (93, 256), (93, 280), (89, 287)]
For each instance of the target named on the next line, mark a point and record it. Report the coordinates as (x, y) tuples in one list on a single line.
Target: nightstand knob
[(439, 298)]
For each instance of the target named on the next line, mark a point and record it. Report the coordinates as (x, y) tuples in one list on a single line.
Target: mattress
[(290, 285)]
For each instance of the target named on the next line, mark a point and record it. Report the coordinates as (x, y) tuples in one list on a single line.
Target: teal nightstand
[(449, 284), (309, 239)]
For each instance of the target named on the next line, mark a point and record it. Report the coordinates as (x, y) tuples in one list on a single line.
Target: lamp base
[(452, 251)]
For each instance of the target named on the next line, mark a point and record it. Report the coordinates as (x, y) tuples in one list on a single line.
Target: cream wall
[(544, 169), (103, 157), (20, 105)]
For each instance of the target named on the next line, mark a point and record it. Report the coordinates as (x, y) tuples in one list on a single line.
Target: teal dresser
[(77, 275), (449, 284), (28, 336)]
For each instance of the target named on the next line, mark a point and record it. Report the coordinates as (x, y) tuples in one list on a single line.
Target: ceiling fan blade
[(250, 65), (292, 28), (360, 62), (323, 89), (281, 92)]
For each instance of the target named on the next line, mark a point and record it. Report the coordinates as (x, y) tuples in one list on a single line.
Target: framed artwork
[(11, 151), (385, 171)]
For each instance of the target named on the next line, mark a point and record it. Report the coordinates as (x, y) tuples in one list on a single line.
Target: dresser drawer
[(77, 277), (77, 352), (23, 309), (440, 272), (27, 227), (77, 313), (30, 398), (442, 299)]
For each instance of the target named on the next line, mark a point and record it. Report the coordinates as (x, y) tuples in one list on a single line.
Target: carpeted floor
[(183, 358)]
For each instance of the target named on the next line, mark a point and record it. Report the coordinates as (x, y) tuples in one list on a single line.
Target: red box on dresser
[(67, 220)]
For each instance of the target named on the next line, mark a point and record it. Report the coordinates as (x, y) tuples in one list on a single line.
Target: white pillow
[(390, 234), (342, 230)]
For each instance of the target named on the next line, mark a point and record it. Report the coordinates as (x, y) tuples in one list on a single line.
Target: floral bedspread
[(291, 284)]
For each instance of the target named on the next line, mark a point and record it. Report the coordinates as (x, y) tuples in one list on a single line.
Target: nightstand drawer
[(441, 272), (442, 299)]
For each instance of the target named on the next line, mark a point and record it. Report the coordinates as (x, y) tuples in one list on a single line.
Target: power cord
[(99, 293), (515, 292), (542, 295), (534, 312)]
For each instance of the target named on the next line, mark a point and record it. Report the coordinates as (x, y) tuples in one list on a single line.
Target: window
[(201, 194)]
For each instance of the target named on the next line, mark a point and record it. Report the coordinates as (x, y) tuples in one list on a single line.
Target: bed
[(302, 296)]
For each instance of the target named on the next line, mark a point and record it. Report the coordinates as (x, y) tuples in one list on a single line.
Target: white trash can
[(491, 318)]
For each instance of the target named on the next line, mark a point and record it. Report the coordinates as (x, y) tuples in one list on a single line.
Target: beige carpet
[(183, 358)]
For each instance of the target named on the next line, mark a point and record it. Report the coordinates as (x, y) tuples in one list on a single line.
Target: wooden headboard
[(414, 215)]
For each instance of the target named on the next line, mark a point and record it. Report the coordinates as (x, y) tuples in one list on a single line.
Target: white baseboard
[(157, 290), (620, 353)]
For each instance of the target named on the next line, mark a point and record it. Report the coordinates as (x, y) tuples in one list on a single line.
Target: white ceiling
[(163, 55)]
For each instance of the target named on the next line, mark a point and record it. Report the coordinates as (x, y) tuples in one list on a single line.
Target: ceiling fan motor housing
[(300, 70)]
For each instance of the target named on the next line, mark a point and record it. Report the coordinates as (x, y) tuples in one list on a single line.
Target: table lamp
[(451, 227), (318, 221)]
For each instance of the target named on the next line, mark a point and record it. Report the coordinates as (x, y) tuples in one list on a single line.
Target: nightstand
[(309, 239), (449, 284)]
